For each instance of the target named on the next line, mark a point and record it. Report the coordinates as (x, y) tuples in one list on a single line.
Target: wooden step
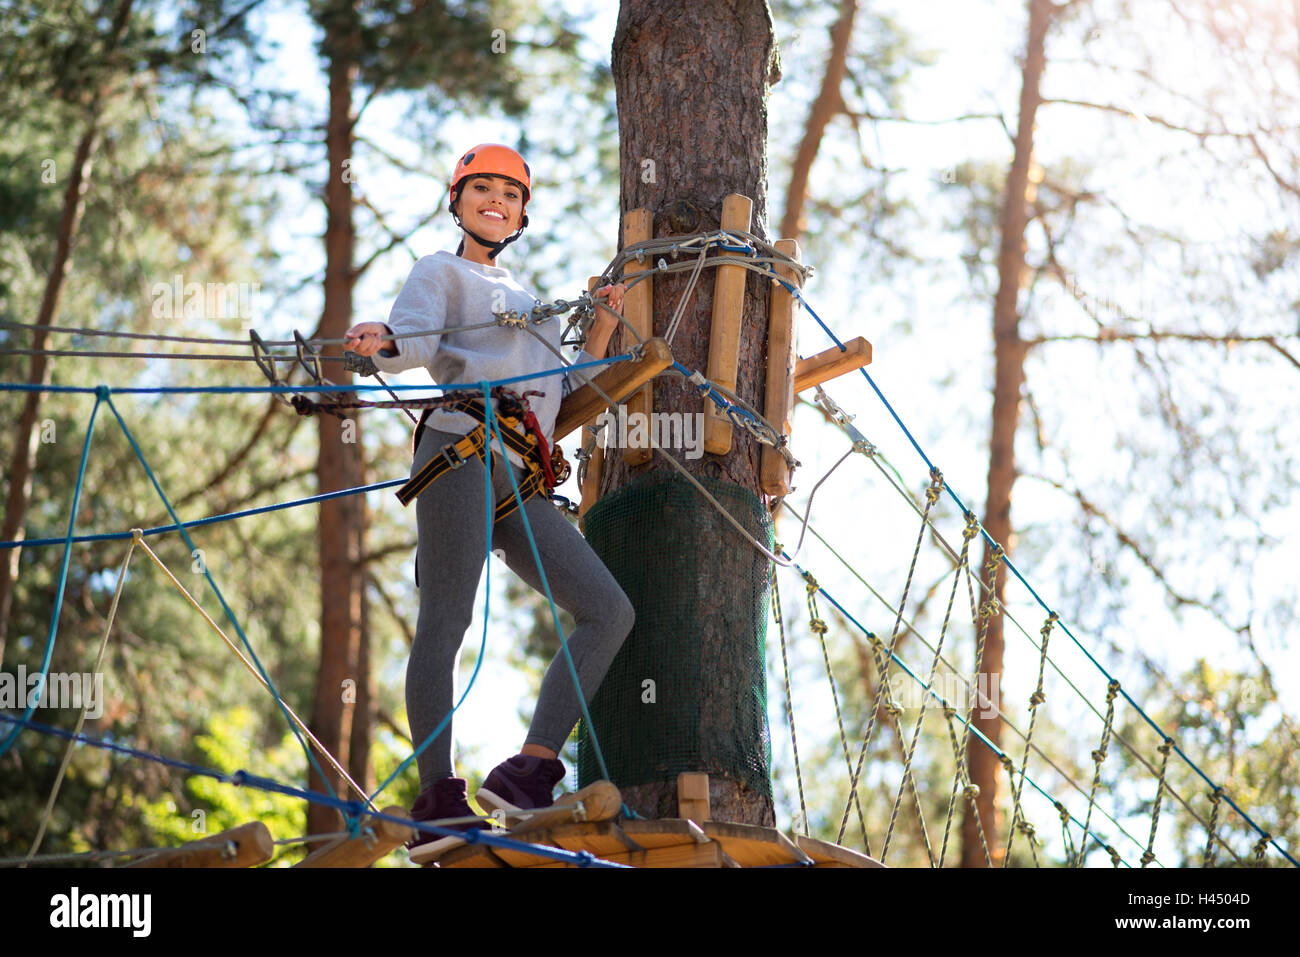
[(242, 846), (826, 854)]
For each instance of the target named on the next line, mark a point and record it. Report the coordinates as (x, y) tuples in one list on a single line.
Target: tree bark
[(1009, 378), (23, 462), (828, 103), (692, 81), (342, 520)]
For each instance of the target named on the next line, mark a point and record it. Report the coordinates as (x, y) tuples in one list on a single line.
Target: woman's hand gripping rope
[(367, 338), (608, 315)]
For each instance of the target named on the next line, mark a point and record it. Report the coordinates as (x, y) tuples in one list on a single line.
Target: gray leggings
[(451, 521)]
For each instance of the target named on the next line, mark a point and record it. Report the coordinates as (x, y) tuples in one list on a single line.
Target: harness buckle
[(454, 459)]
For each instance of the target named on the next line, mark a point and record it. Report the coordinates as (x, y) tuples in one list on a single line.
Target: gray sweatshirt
[(445, 291)]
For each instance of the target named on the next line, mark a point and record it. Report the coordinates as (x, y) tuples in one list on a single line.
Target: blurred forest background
[(1145, 331)]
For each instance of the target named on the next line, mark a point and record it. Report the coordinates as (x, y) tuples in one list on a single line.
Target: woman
[(490, 190)]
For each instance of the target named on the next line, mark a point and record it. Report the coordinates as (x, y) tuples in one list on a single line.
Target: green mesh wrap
[(700, 590)]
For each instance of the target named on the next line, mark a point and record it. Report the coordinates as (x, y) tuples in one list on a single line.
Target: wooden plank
[(599, 838), (618, 382), (591, 484), (774, 473), (708, 854), (383, 838), (827, 365), (596, 802), (724, 333), (590, 490), (693, 796), (243, 846), (638, 310), (664, 832), (469, 856), (832, 855), (752, 846)]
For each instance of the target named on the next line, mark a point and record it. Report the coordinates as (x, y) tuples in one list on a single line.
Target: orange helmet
[(492, 159)]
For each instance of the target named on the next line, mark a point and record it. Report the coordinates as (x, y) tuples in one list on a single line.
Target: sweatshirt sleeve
[(420, 306)]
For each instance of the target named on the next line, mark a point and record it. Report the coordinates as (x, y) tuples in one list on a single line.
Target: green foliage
[(209, 806), (1231, 724)]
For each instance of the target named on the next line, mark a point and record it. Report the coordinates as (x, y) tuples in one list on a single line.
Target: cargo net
[(687, 690)]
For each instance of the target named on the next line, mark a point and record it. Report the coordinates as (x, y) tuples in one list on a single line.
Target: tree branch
[(1107, 334), (1158, 121), (391, 606), (1091, 509)]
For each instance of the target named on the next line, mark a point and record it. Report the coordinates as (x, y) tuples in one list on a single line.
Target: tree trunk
[(829, 102), (692, 81), (1009, 377), (23, 461), (339, 465)]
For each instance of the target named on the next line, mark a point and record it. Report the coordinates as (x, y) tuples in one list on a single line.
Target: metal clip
[(308, 358), (454, 459), (265, 361)]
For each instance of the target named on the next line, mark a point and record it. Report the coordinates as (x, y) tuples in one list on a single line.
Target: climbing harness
[(547, 467)]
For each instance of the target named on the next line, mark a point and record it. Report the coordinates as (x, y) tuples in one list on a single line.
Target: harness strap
[(456, 454)]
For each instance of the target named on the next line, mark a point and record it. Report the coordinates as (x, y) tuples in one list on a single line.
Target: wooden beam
[(676, 855), (638, 310), (774, 473), (693, 796), (590, 490), (243, 846), (618, 382), (832, 855), (750, 845), (827, 365), (724, 333), (362, 851)]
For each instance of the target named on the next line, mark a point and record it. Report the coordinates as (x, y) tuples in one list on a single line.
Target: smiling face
[(491, 206)]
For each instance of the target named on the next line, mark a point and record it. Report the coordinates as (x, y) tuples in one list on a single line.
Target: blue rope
[(489, 509), (210, 520), (1006, 560), (352, 810), (100, 395), (189, 543), (494, 431)]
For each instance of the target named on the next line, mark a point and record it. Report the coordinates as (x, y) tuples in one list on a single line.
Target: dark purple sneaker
[(446, 799), (520, 784)]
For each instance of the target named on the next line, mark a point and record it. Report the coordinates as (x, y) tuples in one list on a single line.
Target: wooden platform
[(669, 842), (589, 820)]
